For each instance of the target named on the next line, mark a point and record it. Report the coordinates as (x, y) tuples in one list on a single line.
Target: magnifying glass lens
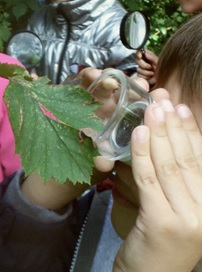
[(26, 47), (130, 121), (126, 113)]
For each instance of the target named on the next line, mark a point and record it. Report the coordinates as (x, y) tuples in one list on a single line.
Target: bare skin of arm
[(53, 195)]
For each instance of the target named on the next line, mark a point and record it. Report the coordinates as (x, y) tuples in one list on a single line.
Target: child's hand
[(146, 69), (167, 167)]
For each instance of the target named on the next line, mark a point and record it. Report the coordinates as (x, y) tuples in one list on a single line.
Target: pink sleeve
[(9, 162)]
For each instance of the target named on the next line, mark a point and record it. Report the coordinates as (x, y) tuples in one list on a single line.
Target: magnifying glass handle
[(144, 55)]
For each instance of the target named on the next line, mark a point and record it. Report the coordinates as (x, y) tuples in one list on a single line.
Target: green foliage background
[(165, 16), (13, 17)]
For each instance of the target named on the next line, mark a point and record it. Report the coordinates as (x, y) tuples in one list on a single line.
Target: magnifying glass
[(129, 104), (26, 47), (134, 31)]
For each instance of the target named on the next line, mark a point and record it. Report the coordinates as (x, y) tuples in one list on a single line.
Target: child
[(157, 207)]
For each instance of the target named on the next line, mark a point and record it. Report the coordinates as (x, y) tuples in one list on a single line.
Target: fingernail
[(167, 105), (141, 133), (183, 111), (158, 113)]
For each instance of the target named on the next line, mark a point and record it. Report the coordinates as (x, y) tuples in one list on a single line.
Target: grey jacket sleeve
[(17, 200), (35, 239)]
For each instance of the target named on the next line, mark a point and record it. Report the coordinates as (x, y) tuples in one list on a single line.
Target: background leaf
[(19, 10)]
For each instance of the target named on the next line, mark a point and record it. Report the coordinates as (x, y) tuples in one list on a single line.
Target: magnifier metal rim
[(123, 32)]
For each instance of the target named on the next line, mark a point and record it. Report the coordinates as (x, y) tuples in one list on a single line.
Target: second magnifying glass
[(134, 31), (27, 47)]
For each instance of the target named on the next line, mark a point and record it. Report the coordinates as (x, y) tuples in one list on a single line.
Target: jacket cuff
[(15, 198)]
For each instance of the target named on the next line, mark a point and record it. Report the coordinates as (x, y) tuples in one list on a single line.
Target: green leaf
[(52, 147), (11, 70), (5, 32), (69, 104), (19, 10), (163, 30)]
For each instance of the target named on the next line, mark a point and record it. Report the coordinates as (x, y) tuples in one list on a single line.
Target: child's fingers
[(193, 177), (169, 148), (152, 198)]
